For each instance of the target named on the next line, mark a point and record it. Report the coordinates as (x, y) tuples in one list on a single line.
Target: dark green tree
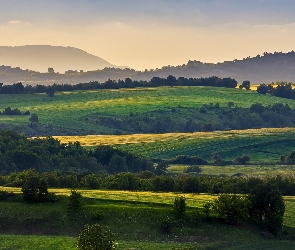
[(50, 91), (34, 189), (246, 85), (75, 201), (268, 207), (241, 160), (34, 119), (162, 167), (179, 206), (232, 207)]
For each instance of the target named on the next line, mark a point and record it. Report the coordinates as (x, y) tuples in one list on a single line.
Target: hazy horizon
[(153, 33)]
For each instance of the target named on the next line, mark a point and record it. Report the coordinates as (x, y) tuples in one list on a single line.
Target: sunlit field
[(135, 218), (69, 109), (266, 144), (248, 170)]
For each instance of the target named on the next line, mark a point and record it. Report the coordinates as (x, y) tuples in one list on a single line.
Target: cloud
[(15, 22)]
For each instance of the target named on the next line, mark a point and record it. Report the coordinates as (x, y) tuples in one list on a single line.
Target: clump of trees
[(17, 153), (35, 188), (280, 89), (15, 111), (264, 205)]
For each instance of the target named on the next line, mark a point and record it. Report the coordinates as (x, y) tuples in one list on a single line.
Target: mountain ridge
[(42, 57), (270, 67)]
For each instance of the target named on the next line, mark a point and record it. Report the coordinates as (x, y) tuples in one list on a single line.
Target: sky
[(149, 34)]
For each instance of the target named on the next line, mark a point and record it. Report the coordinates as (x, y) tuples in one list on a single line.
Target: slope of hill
[(41, 57), (260, 69), (96, 112)]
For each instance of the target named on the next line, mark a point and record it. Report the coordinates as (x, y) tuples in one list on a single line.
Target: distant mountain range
[(270, 67), (79, 67), (41, 57)]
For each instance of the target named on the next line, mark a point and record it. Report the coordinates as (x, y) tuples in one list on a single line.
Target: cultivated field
[(264, 144)]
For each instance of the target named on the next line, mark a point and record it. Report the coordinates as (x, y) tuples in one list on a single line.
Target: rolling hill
[(41, 57)]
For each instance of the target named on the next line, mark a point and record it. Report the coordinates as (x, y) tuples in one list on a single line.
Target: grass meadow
[(69, 109), (262, 145), (135, 217), (249, 170)]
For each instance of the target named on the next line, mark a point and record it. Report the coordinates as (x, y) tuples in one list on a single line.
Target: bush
[(179, 205), (4, 195), (241, 160), (93, 237), (193, 169), (75, 201)]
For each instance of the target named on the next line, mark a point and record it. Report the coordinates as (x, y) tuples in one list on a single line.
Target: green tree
[(246, 85), (50, 91), (75, 201), (34, 189), (90, 181), (193, 169), (162, 167), (179, 205), (170, 81), (241, 160), (93, 237), (117, 164), (34, 119), (268, 207), (232, 207)]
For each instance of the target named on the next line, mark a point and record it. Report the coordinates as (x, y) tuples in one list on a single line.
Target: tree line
[(19, 88), (280, 89), (148, 181)]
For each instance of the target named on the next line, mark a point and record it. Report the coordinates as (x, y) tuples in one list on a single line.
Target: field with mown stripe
[(266, 144)]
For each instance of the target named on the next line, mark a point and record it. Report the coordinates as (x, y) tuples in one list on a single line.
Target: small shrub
[(196, 217), (75, 201), (179, 206), (4, 195), (207, 209), (93, 237), (193, 169), (166, 225)]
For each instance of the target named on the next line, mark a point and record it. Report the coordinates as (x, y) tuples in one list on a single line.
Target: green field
[(262, 145), (69, 109), (135, 218), (249, 170)]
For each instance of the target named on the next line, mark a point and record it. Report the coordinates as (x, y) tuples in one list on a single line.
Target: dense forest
[(17, 153)]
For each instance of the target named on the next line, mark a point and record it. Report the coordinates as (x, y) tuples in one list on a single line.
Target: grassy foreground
[(136, 218)]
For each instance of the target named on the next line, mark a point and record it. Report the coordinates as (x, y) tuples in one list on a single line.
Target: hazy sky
[(152, 33)]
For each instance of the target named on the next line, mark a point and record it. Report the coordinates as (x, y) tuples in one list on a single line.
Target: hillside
[(41, 57), (260, 69), (270, 67), (102, 111)]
